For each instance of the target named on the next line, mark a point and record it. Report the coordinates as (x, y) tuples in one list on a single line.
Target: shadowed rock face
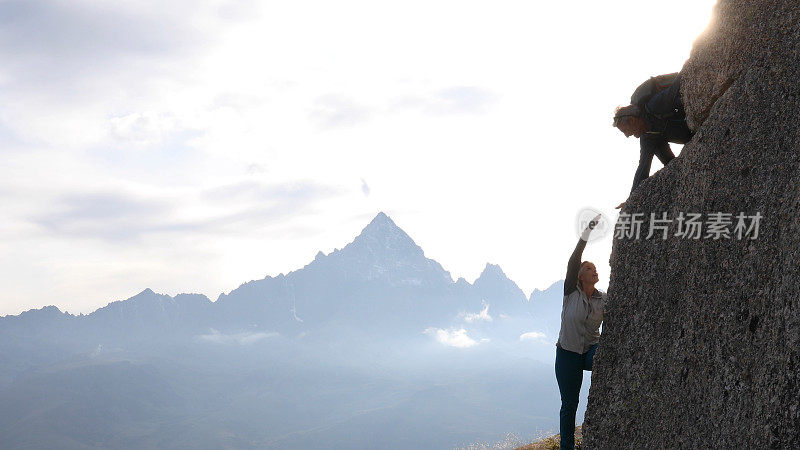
[(700, 340)]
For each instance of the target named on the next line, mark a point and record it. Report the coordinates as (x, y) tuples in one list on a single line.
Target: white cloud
[(533, 336), (450, 100), (142, 128), (119, 216), (482, 316), (452, 337), (332, 111), (244, 338)]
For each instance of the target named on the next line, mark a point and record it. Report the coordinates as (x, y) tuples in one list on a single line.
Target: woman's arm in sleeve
[(574, 264), (570, 282)]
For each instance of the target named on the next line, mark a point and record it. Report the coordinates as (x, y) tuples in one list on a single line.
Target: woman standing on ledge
[(581, 316)]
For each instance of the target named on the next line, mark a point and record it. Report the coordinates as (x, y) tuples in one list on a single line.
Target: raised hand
[(593, 223)]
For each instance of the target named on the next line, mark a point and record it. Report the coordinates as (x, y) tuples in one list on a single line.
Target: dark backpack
[(651, 87)]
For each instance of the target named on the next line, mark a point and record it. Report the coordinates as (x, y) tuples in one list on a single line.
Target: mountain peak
[(382, 232), (380, 222), (493, 271), (49, 310), (382, 217), (383, 249), (493, 281)]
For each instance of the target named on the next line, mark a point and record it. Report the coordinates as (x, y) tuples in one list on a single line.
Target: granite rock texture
[(701, 338)]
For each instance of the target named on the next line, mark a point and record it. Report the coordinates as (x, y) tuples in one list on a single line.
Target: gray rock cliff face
[(700, 344)]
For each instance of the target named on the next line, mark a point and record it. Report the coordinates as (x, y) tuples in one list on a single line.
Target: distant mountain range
[(380, 283), (376, 306)]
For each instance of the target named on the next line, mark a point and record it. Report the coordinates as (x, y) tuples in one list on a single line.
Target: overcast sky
[(191, 146)]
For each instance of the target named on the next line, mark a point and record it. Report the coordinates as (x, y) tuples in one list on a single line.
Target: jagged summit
[(381, 219), (492, 271), (147, 299), (383, 229), (383, 238), (49, 310), (384, 249), (499, 289), (557, 286), (146, 295)]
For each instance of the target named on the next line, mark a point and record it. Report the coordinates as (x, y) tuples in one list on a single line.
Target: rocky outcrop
[(700, 339)]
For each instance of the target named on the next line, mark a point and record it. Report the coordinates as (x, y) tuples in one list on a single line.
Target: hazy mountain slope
[(356, 349)]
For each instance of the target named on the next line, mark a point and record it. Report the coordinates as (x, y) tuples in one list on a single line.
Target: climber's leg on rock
[(588, 358), (569, 374), (662, 151)]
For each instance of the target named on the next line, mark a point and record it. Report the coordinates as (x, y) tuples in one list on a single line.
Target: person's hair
[(623, 114)]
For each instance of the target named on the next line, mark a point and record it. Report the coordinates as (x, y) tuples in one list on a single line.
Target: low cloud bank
[(533, 336), (482, 316), (244, 338), (452, 337)]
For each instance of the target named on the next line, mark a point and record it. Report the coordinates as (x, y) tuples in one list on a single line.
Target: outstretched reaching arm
[(574, 264), (571, 281)]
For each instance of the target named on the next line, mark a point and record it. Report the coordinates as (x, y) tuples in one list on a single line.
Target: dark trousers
[(648, 147), (569, 374)]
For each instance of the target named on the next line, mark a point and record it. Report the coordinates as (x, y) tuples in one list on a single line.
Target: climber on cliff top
[(655, 116)]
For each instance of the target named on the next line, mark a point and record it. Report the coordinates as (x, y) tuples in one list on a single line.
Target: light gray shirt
[(580, 320), (580, 316)]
